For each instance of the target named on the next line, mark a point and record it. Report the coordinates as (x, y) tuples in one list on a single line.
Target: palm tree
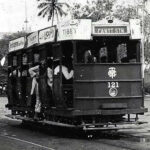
[(50, 8)]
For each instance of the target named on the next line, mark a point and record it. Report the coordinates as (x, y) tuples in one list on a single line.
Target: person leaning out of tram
[(67, 79), (50, 80), (67, 69), (49, 73), (34, 73)]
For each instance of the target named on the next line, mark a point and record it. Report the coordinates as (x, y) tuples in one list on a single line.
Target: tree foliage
[(50, 8), (99, 9), (94, 10), (147, 37), (125, 13), (4, 42), (4, 45)]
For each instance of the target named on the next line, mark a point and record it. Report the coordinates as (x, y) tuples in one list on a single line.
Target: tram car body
[(107, 83)]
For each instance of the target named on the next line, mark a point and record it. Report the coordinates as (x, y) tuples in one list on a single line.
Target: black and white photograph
[(74, 75)]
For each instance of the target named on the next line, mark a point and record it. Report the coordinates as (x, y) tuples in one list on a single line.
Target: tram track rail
[(27, 142), (115, 139), (12, 137)]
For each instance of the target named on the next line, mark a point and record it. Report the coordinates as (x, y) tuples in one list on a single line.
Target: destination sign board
[(110, 30), (74, 30), (135, 27), (47, 35), (32, 39), (17, 44)]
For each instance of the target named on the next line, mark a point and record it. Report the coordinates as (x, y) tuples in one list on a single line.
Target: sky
[(12, 14)]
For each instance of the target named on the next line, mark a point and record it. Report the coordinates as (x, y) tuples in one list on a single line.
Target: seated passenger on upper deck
[(89, 57), (103, 55), (122, 53)]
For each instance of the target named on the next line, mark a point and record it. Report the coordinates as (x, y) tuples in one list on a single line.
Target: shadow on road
[(62, 132)]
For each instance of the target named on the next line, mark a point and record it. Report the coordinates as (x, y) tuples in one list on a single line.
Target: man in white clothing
[(68, 75), (34, 73)]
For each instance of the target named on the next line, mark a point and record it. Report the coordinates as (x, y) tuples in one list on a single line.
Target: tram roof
[(79, 29)]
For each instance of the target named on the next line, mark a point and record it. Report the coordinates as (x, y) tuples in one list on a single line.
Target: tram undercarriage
[(88, 121)]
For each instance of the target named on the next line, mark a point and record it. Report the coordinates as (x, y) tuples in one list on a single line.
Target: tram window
[(19, 61), (67, 53), (103, 55), (122, 53), (110, 50), (43, 53), (24, 69), (56, 51), (14, 61), (67, 49), (9, 60), (96, 51), (89, 56), (36, 58), (85, 51), (133, 51), (30, 56), (14, 69), (24, 59)]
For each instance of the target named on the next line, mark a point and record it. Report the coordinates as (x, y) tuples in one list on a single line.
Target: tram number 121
[(113, 85)]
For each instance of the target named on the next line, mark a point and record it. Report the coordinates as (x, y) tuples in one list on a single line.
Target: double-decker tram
[(81, 74)]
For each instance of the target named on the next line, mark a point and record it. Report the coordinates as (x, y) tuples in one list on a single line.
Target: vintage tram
[(106, 85)]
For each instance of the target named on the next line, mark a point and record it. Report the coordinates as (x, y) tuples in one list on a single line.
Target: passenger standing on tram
[(66, 71), (34, 73), (49, 73), (50, 79)]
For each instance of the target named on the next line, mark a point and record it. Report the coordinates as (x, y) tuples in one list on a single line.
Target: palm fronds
[(51, 7)]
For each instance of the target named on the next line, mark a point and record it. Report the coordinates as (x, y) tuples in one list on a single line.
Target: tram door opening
[(15, 74), (67, 77), (63, 74), (10, 80), (44, 97), (24, 78), (57, 80)]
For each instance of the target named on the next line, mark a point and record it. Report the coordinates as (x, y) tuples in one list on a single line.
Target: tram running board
[(43, 121), (84, 127), (111, 128)]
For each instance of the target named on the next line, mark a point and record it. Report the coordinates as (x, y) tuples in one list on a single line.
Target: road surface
[(16, 136)]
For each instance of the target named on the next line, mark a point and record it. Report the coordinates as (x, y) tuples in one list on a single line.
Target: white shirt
[(65, 72), (50, 76), (34, 71)]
